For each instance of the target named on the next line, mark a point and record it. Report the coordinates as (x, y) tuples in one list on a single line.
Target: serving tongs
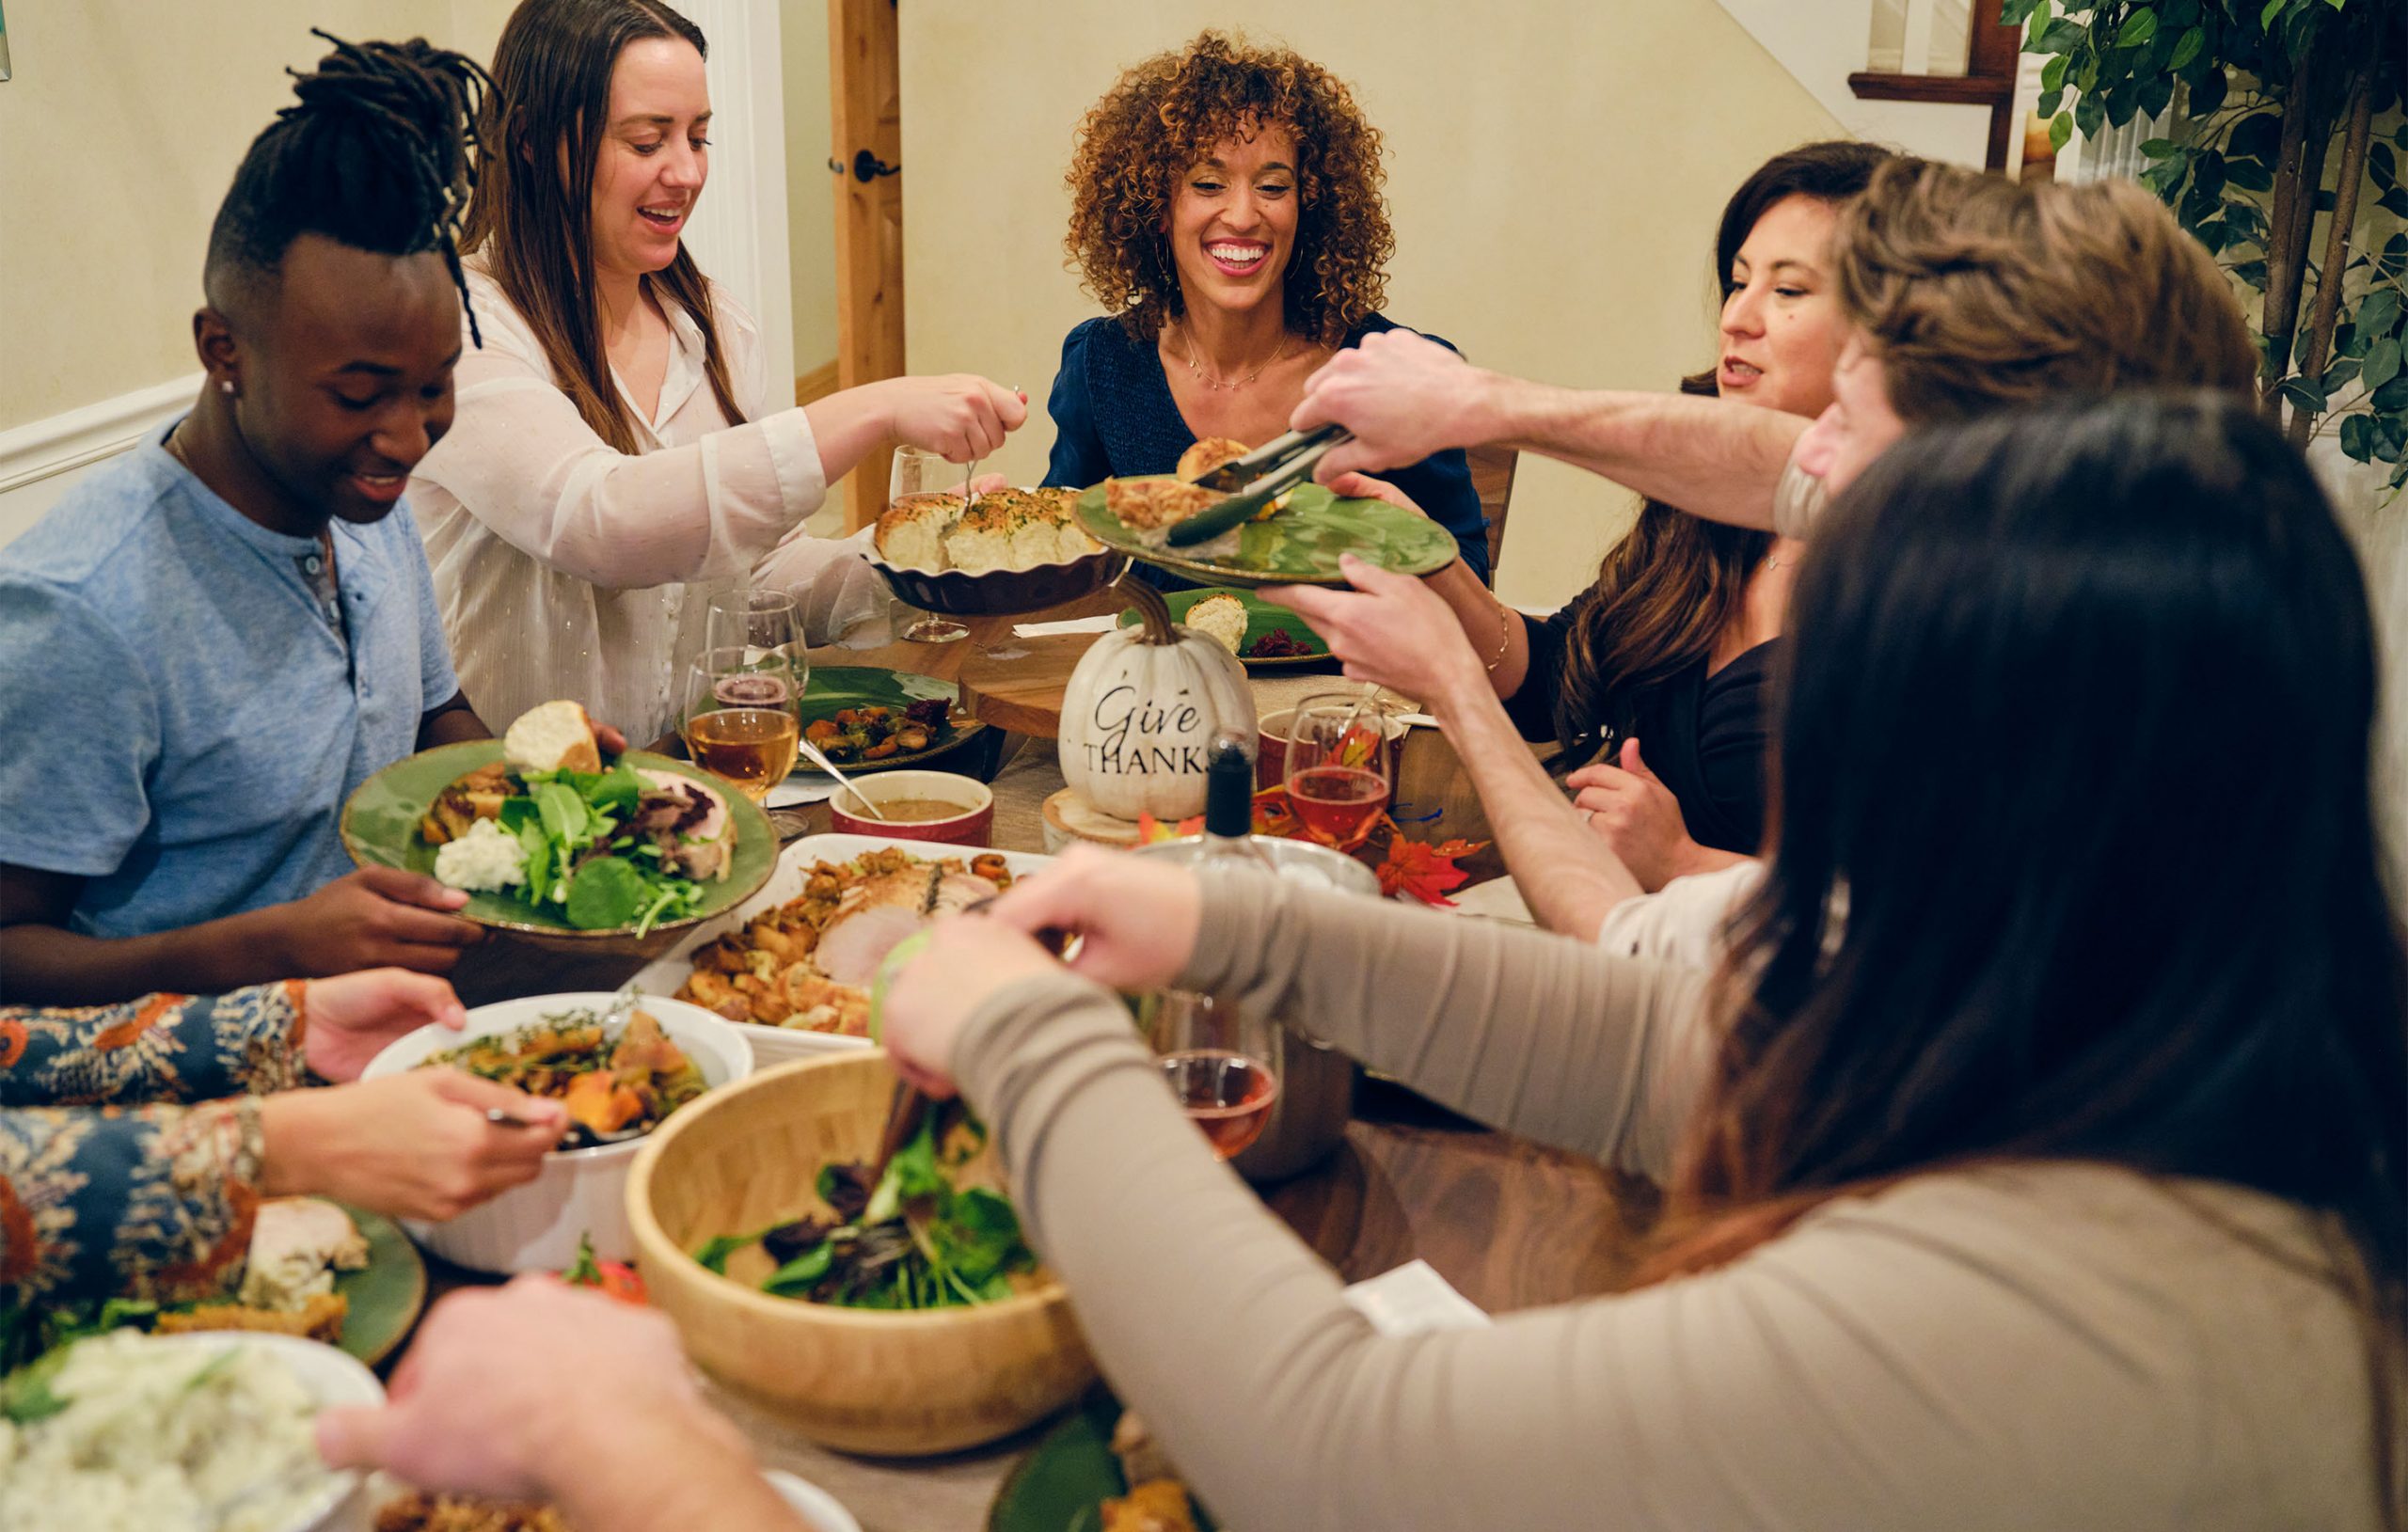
[(1255, 481)]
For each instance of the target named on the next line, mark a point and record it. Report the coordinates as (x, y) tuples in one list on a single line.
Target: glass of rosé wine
[(1340, 768)]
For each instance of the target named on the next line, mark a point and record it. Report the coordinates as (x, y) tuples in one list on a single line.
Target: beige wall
[(121, 128), (811, 199), (1555, 170)]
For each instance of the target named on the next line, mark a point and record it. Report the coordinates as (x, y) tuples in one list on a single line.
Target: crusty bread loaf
[(1007, 528), (553, 737), (912, 533)]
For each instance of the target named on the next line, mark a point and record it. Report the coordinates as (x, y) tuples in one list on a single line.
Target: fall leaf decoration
[(1151, 830), (1423, 870)]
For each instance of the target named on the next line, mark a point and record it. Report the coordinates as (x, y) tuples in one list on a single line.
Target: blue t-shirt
[(1114, 416), (183, 713)]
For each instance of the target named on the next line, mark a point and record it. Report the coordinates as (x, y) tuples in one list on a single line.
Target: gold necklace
[(1230, 385)]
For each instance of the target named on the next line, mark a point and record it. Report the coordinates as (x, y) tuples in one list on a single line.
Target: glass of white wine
[(742, 719), (919, 471), (764, 624)]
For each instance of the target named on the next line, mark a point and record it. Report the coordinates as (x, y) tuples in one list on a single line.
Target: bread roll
[(555, 736), (1221, 618)]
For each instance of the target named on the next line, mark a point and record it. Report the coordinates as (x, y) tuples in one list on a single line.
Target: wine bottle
[(1228, 807)]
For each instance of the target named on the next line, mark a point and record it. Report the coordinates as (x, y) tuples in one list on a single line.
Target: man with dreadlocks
[(214, 639)]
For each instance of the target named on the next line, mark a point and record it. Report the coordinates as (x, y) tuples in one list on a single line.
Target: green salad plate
[(1261, 618), (386, 1295), (835, 688), (1062, 1484), (379, 827), (1299, 544)]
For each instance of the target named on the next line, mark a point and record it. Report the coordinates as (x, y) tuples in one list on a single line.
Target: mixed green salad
[(915, 1240), (603, 850)]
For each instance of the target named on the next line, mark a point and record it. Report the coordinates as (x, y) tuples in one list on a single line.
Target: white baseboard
[(42, 459)]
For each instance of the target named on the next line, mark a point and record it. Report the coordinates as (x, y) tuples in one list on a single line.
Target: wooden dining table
[(1510, 1225)]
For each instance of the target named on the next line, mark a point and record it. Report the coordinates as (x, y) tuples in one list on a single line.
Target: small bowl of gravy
[(917, 806)]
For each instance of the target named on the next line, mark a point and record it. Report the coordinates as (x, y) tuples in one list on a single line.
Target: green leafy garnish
[(35, 1342), (911, 1242), (605, 893)]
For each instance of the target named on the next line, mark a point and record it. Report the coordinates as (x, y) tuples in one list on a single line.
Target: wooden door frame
[(865, 108)]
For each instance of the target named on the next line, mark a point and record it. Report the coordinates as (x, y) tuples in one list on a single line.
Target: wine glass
[(1340, 769), (919, 471), (763, 621), (767, 626), (1226, 1094), (1215, 1059), (742, 723)]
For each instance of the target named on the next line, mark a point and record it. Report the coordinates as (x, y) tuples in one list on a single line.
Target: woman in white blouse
[(612, 462)]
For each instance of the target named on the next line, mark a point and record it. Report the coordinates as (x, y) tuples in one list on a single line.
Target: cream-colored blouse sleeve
[(2037, 1346), (523, 462)]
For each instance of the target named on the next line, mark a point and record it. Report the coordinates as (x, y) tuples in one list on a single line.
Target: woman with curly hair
[(1227, 213)]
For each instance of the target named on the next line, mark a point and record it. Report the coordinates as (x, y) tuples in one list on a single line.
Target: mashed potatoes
[(486, 859), (160, 1435)]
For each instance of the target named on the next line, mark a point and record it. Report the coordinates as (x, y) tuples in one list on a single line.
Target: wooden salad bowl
[(905, 1384)]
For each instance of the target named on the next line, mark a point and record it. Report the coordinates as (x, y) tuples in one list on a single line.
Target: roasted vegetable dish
[(419, 1511), (611, 1084), (855, 735)]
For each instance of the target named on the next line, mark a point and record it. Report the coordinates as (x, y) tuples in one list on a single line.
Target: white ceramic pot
[(579, 1192)]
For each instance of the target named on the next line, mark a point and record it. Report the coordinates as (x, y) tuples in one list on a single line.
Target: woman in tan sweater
[(2059, 1186)]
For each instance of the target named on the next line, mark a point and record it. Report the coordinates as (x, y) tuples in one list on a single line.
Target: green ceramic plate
[(1298, 546), (379, 829), (386, 1294), (1062, 1484), (834, 687), (1262, 617)]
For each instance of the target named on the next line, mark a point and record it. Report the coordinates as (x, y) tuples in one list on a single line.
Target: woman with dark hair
[(2038, 1158), (617, 458), (1676, 640), (1227, 211)]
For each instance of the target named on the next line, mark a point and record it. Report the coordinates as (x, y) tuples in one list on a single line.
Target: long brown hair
[(532, 216), (1667, 589), (1966, 949)]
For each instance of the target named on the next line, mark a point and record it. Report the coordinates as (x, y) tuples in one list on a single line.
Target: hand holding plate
[(376, 916), (1390, 629)]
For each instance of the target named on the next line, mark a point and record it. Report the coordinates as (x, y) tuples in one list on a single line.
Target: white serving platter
[(777, 1045)]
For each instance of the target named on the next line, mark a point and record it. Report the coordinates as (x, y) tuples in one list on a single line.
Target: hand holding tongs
[(1256, 480)]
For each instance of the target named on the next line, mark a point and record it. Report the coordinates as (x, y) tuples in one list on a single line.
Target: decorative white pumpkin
[(1140, 710)]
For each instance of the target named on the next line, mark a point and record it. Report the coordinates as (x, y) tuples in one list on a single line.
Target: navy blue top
[(1114, 416)]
